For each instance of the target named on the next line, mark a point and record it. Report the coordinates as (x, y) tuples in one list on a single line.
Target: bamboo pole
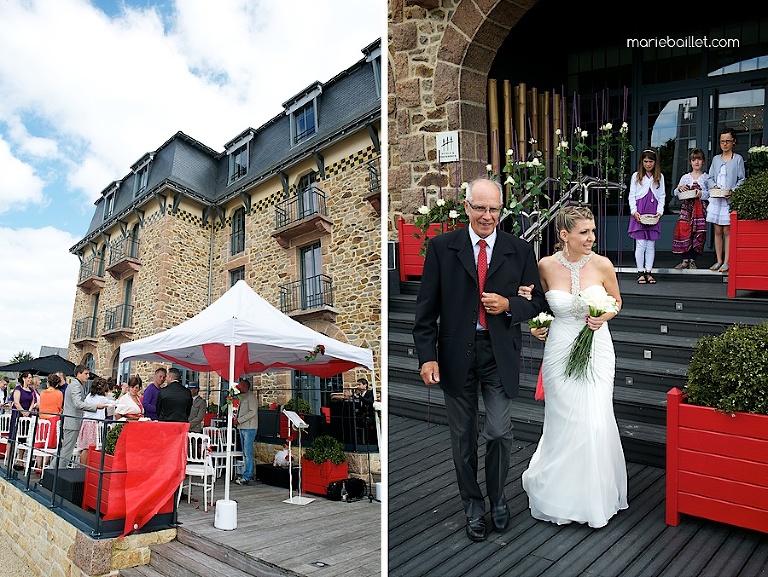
[(520, 123), (493, 120), (507, 115), (534, 118), (546, 146)]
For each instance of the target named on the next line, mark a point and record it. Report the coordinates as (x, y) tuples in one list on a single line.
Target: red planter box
[(110, 508), (717, 465), (409, 247), (315, 478), (747, 255)]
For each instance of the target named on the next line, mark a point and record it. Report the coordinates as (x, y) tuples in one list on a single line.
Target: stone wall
[(52, 547), (439, 57)]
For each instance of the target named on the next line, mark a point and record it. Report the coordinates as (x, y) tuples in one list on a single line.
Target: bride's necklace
[(574, 267)]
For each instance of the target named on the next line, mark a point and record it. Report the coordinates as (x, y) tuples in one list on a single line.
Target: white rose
[(423, 210), (453, 214), (584, 133), (488, 167), (510, 180), (510, 152), (624, 127), (440, 202), (535, 162), (564, 144), (464, 185), (557, 132)]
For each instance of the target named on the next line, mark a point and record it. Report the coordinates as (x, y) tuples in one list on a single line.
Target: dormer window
[(303, 112), (141, 170), (373, 55), (109, 205), (238, 152)]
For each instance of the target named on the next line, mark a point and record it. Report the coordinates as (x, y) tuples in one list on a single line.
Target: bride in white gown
[(578, 472)]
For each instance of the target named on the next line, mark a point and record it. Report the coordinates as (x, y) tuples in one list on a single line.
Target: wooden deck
[(426, 525), (291, 539)]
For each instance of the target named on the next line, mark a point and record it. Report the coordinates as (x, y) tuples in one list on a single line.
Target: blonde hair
[(566, 219)]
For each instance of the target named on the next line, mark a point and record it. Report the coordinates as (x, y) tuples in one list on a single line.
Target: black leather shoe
[(500, 517), (476, 528)]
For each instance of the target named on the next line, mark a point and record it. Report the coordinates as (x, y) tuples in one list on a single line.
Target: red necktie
[(482, 270)]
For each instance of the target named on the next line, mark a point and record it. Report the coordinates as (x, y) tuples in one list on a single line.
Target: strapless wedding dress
[(578, 472)]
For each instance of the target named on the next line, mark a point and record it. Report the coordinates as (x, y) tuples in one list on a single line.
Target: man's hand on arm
[(495, 304), (430, 373)]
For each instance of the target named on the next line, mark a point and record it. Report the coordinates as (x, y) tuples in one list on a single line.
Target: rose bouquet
[(581, 350)]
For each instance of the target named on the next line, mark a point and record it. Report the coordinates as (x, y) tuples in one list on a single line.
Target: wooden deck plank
[(426, 525)]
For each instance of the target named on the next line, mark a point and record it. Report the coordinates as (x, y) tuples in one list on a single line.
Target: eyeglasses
[(726, 141), (493, 211)]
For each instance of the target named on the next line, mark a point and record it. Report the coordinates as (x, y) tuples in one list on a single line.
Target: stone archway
[(439, 59)]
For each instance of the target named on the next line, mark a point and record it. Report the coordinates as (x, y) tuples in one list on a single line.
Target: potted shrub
[(444, 215), (747, 256), (323, 463), (717, 432)]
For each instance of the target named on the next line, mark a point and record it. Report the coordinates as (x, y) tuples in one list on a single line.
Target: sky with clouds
[(87, 88)]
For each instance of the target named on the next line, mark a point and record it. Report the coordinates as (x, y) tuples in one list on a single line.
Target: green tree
[(22, 356)]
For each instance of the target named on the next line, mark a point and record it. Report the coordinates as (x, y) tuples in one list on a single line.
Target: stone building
[(676, 80), (291, 207)]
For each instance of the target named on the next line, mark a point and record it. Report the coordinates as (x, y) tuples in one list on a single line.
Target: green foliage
[(213, 408), (298, 405), (445, 211), (730, 371), (750, 200), (326, 448), (112, 435), (21, 356)]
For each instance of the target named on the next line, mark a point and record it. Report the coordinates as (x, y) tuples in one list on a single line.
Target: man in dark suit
[(174, 401), (476, 347)]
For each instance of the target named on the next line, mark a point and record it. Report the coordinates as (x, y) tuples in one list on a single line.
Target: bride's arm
[(611, 285)]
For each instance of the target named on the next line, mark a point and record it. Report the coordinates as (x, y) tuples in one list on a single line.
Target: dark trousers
[(463, 420)]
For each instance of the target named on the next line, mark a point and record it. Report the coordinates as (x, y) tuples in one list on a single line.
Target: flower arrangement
[(445, 211), (758, 159), (318, 350), (599, 303), (541, 320)]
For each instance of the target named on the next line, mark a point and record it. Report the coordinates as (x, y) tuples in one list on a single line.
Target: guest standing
[(51, 399), (475, 349), (129, 405), (174, 401), (247, 422), (197, 415), (23, 401), (691, 230), (74, 405), (646, 197), (149, 400)]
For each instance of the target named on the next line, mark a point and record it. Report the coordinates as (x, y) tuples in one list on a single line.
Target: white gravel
[(11, 565)]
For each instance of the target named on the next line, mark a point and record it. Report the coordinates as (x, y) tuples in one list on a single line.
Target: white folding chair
[(236, 456), (23, 431), (37, 445), (5, 430), (219, 458), (199, 465)]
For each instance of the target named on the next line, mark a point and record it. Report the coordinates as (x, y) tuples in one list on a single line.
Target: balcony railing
[(118, 319), (91, 278), (300, 214), (374, 185), (307, 203), (86, 330), (311, 293), (124, 256)]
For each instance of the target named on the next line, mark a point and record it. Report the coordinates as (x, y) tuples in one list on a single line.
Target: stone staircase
[(654, 338), (193, 556)]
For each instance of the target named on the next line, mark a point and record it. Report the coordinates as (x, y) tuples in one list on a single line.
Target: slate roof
[(348, 102)]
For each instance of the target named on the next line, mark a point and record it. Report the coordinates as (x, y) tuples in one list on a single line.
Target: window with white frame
[(302, 110), (304, 122), (238, 163), (109, 205)]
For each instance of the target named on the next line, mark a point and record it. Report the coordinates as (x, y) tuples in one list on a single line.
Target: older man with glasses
[(470, 282)]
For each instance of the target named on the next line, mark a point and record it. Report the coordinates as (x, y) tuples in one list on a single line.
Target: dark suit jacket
[(449, 291), (174, 403)]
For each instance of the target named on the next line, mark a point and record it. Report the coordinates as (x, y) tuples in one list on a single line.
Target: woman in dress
[(129, 404), (23, 400), (89, 427), (578, 472)]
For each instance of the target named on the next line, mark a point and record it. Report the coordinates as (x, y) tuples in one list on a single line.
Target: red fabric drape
[(539, 395), (154, 457)]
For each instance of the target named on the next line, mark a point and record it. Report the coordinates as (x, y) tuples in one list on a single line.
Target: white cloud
[(19, 184), (37, 290)]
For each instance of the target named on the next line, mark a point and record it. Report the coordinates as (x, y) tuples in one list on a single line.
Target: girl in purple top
[(646, 196)]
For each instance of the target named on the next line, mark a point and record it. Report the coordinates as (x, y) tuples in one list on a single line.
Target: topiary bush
[(112, 435), (326, 448), (298, 405), (729, 372), (750, 200)]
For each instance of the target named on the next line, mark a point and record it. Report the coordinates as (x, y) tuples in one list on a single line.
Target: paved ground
[(11, 564)]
